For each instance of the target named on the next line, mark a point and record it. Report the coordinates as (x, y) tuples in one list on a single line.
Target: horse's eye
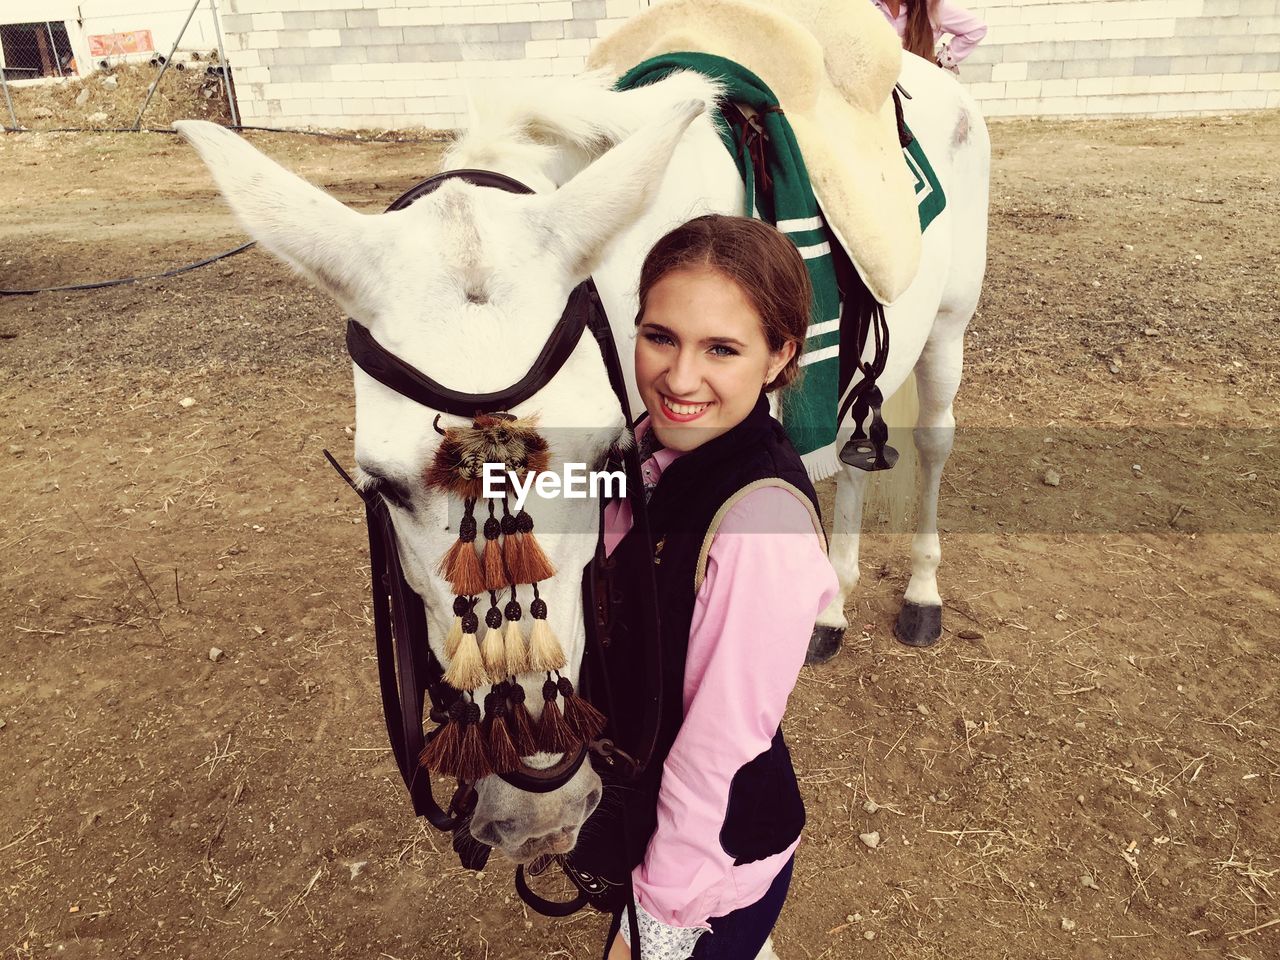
[(394, 492)]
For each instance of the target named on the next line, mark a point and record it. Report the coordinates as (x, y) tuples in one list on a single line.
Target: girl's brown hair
[(764, 264), (918, 37)]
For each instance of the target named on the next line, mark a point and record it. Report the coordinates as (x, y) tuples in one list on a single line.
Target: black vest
[(765, 813)]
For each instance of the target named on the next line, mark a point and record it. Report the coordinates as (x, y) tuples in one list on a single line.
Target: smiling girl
[(741, 572)]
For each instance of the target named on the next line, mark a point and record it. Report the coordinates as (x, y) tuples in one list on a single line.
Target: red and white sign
[(117, 44)]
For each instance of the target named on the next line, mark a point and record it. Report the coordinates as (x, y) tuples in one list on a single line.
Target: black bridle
[(409, 673)]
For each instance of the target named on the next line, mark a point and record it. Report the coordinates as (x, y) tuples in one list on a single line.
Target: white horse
[(467, 283)]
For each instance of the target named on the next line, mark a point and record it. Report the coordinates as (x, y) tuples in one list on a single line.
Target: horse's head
[(466, 285)]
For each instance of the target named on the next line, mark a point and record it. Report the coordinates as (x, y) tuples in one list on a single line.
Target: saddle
[(835, 92)]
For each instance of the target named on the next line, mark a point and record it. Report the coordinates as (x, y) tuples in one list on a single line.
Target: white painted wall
[(1125, 57), (405, 63), (399, 63)]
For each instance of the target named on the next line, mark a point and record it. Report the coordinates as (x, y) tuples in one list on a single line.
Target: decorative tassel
[(458, 465), (454, 636), (526, 561), (461, 564), (495, 574), (440, 755), (554, 735), (466, 669), (546, 655), (502, 750), (520, 722), (473, 762), (584, 720), (495, 656), (537, 457), (516, 652)]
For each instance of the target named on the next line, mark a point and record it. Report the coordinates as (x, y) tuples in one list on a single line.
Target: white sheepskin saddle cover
[(832, 65)]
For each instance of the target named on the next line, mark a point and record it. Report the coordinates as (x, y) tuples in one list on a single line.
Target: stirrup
[(869, 453)]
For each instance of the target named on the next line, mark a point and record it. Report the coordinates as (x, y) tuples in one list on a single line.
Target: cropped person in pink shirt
[(922, 23), (742, 574)]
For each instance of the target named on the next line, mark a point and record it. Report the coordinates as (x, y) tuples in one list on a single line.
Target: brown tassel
[(458, 465), (493, 650), (440, 755), (526, 561), (502, 750), (536, 455), (460, 566), (473, 760), (466, 669), (583, 719), (520, 722), (554, 735), (495, 573), (546, 655)]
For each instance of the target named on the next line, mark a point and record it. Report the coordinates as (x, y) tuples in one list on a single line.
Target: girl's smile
[(682, 412)]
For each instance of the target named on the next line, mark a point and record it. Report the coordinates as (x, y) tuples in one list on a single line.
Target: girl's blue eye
[(722, 350), (660, 339)]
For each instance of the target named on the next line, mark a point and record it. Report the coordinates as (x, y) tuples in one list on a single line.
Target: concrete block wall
[(399, 63), (1125, 57), (406, 63)]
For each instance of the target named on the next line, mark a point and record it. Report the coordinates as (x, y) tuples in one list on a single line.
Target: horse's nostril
[(589, 805), (492, 832)]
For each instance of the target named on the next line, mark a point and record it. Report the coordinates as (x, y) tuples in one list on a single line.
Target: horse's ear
[(610, 194), (333, 245)]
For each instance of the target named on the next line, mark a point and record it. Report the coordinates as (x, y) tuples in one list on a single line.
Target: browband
[(393, 373)]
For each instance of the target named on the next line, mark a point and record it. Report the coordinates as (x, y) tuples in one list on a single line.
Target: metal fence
[(40, 49), (44, 86)]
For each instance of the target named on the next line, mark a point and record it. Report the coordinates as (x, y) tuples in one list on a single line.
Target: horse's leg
[(846, 529), (937, 379)]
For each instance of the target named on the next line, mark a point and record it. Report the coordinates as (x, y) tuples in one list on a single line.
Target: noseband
[(409, 672)]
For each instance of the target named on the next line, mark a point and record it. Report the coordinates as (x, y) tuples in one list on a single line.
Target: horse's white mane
[(555, 126)]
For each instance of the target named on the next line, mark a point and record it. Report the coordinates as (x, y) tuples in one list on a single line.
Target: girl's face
[(701, 356)]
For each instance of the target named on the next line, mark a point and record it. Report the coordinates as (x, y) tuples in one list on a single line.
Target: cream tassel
[(517, 653), (466, 667), (453, 638), (495, 659), (545, 652)]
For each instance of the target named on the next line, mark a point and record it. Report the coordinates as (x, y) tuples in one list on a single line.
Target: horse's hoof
[(824, 644), (918, 625)]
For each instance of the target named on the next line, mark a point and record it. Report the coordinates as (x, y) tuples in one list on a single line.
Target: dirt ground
[(1085, 766)]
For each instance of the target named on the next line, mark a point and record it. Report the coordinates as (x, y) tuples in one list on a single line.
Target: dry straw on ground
[(184, 93)]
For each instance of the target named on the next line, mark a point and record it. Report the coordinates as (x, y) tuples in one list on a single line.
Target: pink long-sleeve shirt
[(965, 26), (767, 579)]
